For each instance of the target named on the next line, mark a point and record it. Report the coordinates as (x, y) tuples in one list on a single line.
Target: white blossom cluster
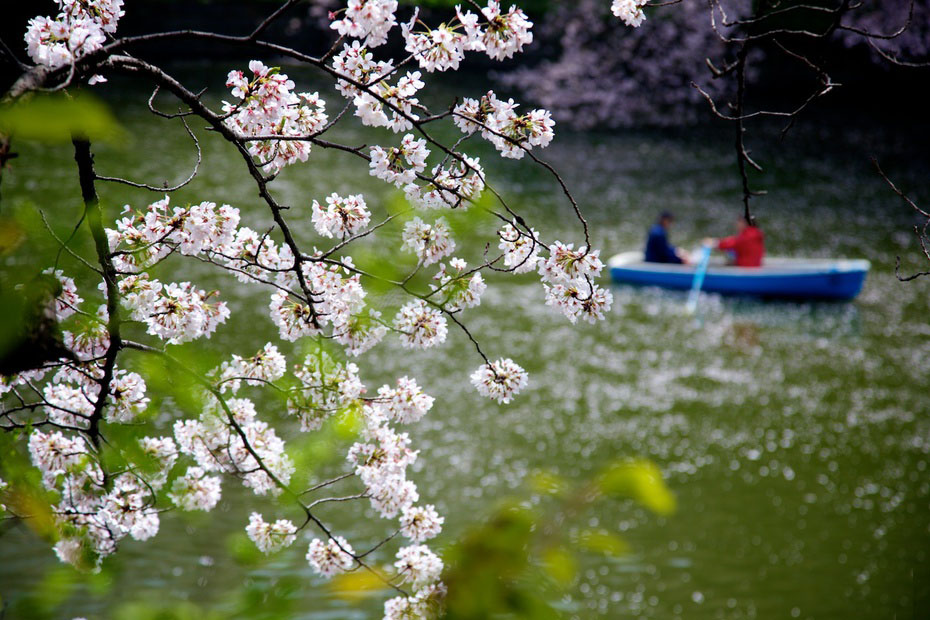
[(267, 106), (264, 367), (335, 297), (459, 288), (419, 523), (521, 250), (568, 274), (142, 239), (341, 217), (630, 11), (355, 62), (421, 325), (67, 301), (373, 105), (80, 28), (325, 386), (502, 34), (92, 514), (399, 165), (270, 537), (436, 49), (175, 312), (499, 380), (511, 134), (89, 340), (405, 404), (430, 242), (331, 557), (378, 103), (380, 461), (223, 440), (449, 187), (370, 20)]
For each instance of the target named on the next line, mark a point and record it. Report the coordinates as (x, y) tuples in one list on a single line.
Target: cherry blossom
[(499, 380), (341, 217), (90, 339), (268, 107), (418, 565), (105, 12), (265, 366), (195, 490), (392, 493), (521, 249), (250, 254), (359, 332), (406, 403), (511, 134), (399, 165), (430, 242), (385, 453), (630, 11), (504, 33), (179, 312), (270, 537), (457, 288), (325, 386), (450, 187), (373, 105), (59, 42), (331, 557), (419, 523), (67, 302), (421, 325), (436, 49), (355, 61), (565, 264), (370, 20), (228, 437), (579, 299), (315, 298)]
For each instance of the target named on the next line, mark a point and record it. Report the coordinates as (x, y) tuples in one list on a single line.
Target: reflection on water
[(795, 435)]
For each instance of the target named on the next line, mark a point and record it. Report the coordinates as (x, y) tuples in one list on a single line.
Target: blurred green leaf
[(57, 586), (560, 564), (242, 549), (547, 482), (602, 542), (57, 117), (12, 235), (641, 481)]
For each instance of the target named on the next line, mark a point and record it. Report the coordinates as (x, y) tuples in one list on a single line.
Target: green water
[(795, 436)]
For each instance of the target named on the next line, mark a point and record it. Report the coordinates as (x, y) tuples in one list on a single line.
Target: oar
[(698, 279)]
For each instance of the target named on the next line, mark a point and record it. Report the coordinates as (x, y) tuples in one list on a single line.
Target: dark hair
[(666, 215)]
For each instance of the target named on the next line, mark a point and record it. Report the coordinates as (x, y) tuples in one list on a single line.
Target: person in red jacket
[(747, 247)]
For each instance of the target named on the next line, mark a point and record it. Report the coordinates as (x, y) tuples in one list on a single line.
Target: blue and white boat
[(794, 278)]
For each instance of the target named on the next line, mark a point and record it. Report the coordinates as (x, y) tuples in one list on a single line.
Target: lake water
[(796, 436)]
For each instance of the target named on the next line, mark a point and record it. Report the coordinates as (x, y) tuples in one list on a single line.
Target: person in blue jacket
[(658, 249)]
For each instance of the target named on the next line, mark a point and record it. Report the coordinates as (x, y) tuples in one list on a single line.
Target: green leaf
[(561, 565), (57, 117), (641, 481), (547, 482), (602, 542)]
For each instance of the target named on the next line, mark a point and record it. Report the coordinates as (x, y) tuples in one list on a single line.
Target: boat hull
[(781, 278)]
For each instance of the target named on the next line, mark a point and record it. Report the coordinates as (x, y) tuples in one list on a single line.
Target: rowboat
[(795, 278)]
